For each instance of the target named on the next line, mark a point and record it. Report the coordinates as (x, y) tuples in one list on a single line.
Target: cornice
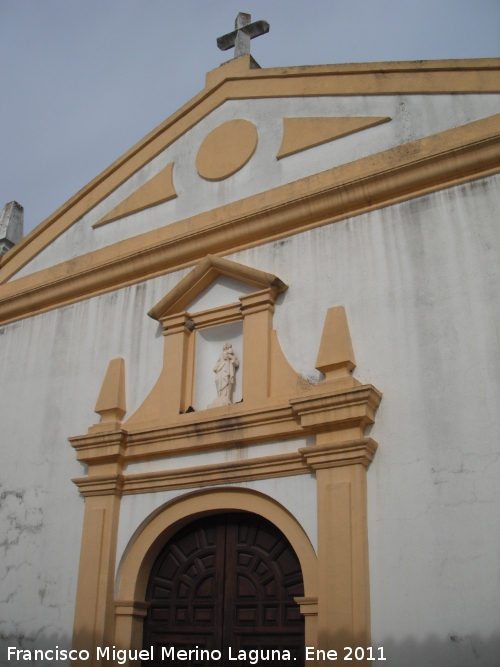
[(136, 608), (323, 409), (440, 161), (238, 81), (102, 447), (329, 406), (215, 429), (281, 465), (351, 452), (308, 605), (303, 461), (235, 70), (354, 406), (99, 485)]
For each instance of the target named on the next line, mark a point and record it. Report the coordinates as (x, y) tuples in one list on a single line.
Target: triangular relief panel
[(300, 134)]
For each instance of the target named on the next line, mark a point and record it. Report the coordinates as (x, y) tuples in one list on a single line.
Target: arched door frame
[(145, 545)]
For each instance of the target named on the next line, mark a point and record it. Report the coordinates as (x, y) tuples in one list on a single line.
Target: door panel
[(226, 581), (186, 588)]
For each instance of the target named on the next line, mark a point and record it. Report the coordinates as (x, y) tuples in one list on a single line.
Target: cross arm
[(254, 29)]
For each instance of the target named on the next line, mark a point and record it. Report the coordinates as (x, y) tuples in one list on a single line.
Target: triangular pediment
[(159, 208), (208, 270)]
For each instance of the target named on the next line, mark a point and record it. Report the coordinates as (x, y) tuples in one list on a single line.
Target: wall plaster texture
[(413, 117), (419, 281)]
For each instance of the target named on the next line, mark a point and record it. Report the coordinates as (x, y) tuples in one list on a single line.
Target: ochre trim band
[(440, 161), (236, 80)]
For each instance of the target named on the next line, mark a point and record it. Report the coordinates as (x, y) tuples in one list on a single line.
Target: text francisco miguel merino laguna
[(170, 653)]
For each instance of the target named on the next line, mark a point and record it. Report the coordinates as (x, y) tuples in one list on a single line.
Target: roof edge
[(234, 70)]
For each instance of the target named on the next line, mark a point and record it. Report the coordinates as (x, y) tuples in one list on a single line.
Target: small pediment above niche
[(199, 280)]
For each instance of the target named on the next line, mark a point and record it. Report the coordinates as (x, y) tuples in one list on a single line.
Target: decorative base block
[(219, 402)]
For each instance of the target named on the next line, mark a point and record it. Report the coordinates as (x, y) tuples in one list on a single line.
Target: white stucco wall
[(413, 117), (419, 282)]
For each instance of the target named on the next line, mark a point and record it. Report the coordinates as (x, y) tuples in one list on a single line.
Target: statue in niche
[(225, 370)]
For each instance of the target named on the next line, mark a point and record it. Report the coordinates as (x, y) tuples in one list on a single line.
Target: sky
[(83, 80)]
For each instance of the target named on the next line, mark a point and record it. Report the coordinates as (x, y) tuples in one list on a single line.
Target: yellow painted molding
[(131, 608), (203, 275), (236, 67), (105, 485), (265, 467), (85, 633), (308, 606), (211, 429), (265, 365), (303, 461), (219, 428), (256, 302), (300, 134), (348, 408), (241, 68), (94, 617), (226, 149), (335, 356), (242, 82), (334, 455), (100, 447), (160, 188), (440, 161), (215, 316)]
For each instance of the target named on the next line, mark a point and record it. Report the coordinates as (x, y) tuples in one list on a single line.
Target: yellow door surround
[(278, 404), (134, 569)]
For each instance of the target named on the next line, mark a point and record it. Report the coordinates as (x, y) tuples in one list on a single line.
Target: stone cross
[(241, 36)]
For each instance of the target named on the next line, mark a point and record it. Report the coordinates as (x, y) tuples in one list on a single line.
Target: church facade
[(250, 380)]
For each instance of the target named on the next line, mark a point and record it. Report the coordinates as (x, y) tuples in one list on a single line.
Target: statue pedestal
[(219, 402)]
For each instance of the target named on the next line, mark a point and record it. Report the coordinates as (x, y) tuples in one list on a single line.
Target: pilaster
[(95, 611), (175, 363), (130, 615), (309, 609), (343, 575), (257, 310)]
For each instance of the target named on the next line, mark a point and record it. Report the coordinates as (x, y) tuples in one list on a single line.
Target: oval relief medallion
[(226, 149)]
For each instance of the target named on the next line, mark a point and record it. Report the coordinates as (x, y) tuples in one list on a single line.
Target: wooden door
[(226, 581)]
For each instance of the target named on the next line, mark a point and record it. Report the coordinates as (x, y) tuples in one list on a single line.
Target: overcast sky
[(83, 80)]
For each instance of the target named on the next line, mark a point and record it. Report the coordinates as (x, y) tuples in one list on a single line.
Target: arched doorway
[(226, 581)]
